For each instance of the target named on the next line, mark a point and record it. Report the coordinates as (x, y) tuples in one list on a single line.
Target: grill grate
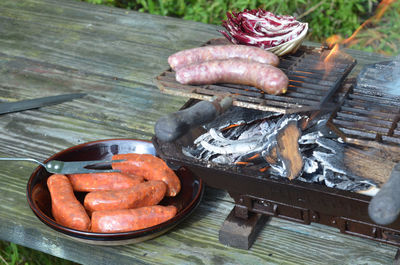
[(312, 83), (369, 112)]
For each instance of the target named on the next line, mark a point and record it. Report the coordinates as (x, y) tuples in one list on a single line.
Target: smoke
[(381, 79), (393, 84)]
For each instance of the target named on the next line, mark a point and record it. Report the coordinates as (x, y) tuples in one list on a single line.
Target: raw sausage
[(220, 52), (103, 181), (112, 221), (149, 167), (268, 78), (143, 194), (66, 209)]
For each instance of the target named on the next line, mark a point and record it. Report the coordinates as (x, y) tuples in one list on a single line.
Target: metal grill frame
[(368, 114)]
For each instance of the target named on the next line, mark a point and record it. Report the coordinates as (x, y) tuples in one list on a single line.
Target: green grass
[(12, 254), (325, 17)]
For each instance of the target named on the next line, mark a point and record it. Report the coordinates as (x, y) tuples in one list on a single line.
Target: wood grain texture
[(50, 47)]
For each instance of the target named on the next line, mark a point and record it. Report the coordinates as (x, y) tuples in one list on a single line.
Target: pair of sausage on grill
[(117, 202), (236, 64)]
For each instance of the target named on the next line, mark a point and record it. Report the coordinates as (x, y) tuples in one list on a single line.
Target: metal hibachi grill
[(317, 89)]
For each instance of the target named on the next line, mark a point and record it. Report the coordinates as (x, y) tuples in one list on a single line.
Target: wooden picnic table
[(51, 47)]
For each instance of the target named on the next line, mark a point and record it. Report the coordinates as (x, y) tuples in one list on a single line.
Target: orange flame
[(336, 40), (381, 9), (334, 51)]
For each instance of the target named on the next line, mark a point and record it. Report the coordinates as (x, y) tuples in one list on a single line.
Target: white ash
[(320, 150)]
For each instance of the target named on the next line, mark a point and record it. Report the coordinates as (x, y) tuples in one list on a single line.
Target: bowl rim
[(180, 216)]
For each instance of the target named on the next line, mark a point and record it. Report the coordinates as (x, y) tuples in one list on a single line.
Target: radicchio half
[(261, 28)]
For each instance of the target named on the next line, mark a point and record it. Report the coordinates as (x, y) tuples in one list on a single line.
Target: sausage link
[(150, 168), (113, 221), (143, 194), (267, 78), (66, 209), (221, 52), (103, 181)]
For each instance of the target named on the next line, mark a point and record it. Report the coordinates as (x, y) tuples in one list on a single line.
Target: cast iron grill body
[(255, 192)]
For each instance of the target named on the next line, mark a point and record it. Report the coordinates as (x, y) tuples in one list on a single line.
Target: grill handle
[(384, 207), (174, 125)]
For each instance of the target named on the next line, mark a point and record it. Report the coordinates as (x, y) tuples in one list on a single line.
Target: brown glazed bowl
[(39, 197)]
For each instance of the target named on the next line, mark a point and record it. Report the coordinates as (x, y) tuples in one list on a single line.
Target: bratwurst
[(143, 194), (88, 182), (267, 78), (149, 167), (221, 52), (66, 209), (113, 221)]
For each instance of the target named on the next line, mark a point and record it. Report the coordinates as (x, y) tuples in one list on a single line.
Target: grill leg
[(241, 233)]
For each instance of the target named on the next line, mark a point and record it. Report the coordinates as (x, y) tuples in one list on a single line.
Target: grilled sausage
[(221, 52), (66, 209), (143, 194), (103, 181), (268, 78), (150, 168), (113, 221)]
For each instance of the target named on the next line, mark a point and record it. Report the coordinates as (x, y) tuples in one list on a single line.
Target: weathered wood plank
[(118, 43), (120, 103)]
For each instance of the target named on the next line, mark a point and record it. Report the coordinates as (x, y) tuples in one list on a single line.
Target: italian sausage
[(103, 181), (66, 209), (149, 167), (221, 52), (113, 221), (268, 78), (143, 194)]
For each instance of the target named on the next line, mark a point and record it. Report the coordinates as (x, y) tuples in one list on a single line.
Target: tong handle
[(22, 159), (53, 166), (61, 167), (74, 167)]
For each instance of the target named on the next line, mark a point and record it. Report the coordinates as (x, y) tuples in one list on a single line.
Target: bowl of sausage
[(142, 199)]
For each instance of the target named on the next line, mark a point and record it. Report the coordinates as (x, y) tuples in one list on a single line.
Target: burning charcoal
[(255, 142), (287, 137), (309, 139), (274, 145), (343, 182), (239, 116), (330, 155), (311, 165)]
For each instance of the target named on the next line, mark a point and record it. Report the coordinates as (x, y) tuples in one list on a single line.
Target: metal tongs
[(74, 167)]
